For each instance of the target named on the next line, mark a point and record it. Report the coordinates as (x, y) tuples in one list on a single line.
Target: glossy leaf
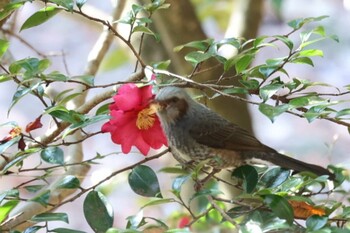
[(33, 229), (9, 8), (249, 175), (201, 45), (33, 188), (4, 44), (68, 182), (98, 212), (298, 23), (87, 79), (243, 63), (69, 4), (288, 42), (306, 101), (80, 3), (280, 207), (40, 17), (158, 202), (269, 90), (6, 208), (205, 192), (53, 155), (84, 123), (315, 222), (197, 57), (143, 181), (49, 217), (303, 60), (274, 177), (311, 53), (250, 84), (42, 198), (273, 111), (19, 94), (5, 145)]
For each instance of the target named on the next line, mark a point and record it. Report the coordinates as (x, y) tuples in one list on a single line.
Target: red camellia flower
[(133, 122)]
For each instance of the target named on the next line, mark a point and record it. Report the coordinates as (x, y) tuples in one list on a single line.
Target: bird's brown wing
[(225, 135)]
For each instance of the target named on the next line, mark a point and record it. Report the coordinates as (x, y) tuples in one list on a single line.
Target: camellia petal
[(132, 123), (128, 97), (158, 141)]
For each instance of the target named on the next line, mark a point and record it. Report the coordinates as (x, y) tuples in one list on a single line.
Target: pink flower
[(133, 122)]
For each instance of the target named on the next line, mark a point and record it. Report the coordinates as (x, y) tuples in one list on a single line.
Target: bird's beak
[(156, 106)]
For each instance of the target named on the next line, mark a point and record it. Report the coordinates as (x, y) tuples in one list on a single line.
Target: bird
[(197, 134)]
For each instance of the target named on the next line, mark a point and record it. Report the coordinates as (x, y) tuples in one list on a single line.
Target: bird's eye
[(173, 99)]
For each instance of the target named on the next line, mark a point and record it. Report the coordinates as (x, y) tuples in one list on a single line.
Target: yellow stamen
[(16, 131), (145, 118)]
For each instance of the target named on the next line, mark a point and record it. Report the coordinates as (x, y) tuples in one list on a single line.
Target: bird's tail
[(293, 164)]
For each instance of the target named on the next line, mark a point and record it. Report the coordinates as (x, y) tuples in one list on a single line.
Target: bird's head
[(171, 104)]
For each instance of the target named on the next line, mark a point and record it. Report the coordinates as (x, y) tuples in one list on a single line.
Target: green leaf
[(5, 78), (298, 23), (315, 222), (197, 57), (103, 109), (288, 42), (87, 79), (49, 217), (178, 182), (267, 70), (251, 84), (9, 8), (306, 101), (205, 192), (53, 155), (303, 60), (33, 229), (136, 221), (201, 45), (143, 181), (68, 182), (311, 53), (243, 62), (84, 123), (98, 212), (42, 198), (33, 188), (249, 175), (64, 114), (19, 94), (341, 113), (316, 111), (158, 202), (56, 76), (40, 17), (69, 4), (273, 111), (6, 208), (274, 177), (4, 44), (280, 207), (80, 3), (143, 29), (269, 90), (6, 145)]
